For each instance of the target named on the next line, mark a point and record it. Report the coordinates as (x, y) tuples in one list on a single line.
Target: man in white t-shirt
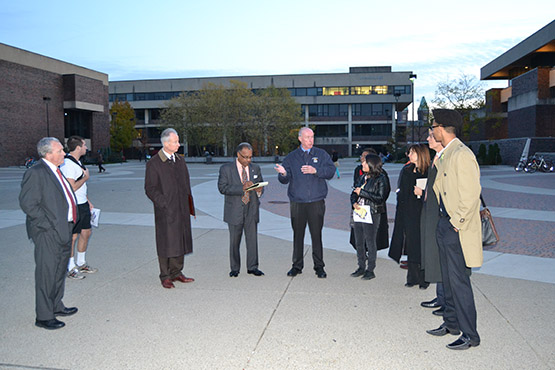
[(77, 175)]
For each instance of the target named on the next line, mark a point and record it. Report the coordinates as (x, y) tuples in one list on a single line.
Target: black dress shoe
[(443, 330), (320, 273), (255, 272), (359, 272), (439, 311), (294, 272), (368, 275), (409, 285), (67, 311), (463, 343), (430, 304), (234, 274), (51, 324)]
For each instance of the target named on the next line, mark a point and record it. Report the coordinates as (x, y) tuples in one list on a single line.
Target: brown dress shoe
[(167, 283), (183, 279)]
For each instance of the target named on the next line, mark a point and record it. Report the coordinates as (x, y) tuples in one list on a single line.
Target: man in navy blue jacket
[(306, 170)]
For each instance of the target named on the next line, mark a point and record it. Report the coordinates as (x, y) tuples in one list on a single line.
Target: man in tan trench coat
[(459, 237), (168, 186)]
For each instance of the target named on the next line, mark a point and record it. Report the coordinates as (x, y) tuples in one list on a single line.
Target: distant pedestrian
[(335, 160), (100, 161)]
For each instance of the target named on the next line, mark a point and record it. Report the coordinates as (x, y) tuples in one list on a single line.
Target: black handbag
[(489, 232)]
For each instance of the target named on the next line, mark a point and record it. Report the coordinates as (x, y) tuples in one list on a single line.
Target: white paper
[(95, 215), (421, 183), (363, 215)]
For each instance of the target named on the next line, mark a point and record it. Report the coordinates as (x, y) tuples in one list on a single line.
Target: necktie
[(172, 159), (244, 179), (73, 207)]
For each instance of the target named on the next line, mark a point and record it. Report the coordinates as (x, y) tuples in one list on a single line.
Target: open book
[(257, 185)]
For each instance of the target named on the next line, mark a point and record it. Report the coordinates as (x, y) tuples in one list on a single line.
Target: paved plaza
[(126, 320)]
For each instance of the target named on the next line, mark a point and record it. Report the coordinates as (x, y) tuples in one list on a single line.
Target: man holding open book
[(238, 181)]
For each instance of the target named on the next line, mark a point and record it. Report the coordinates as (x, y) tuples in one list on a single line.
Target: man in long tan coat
[(167, 185), (459, 237)]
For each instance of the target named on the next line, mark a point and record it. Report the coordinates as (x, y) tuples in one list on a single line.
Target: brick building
[(42, 96), (526, 108)]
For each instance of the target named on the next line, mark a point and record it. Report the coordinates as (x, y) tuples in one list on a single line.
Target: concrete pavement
[(127, 320)]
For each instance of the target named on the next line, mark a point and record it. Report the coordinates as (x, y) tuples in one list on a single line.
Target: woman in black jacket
[(406, 231), (372, 189)]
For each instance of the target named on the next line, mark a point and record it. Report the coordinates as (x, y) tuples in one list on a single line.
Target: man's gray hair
[(44, 145), (166, 134), (243, 145), (303, 129)]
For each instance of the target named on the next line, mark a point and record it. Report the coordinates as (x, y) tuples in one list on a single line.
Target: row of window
[(299, 91), (358, 130), (342, 110)]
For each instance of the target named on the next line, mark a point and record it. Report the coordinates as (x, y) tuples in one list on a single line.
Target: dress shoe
[(430, 304), (182, 278), (439, 311), (463, 343), (424, 286), (294, 272), (368, 275), (359, 272), (320, 273), (67, 311), (167, 283), (51, 324), (409, 285), (255, 272), (234, 273), (443, 330)]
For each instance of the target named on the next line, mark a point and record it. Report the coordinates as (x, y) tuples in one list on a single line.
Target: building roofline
[(528, 46), (38, 61)]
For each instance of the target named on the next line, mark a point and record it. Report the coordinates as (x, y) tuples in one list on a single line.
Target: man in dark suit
[(50, 205), (241, 207)]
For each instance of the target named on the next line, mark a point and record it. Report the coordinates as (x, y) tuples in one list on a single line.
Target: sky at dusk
[(131, 40)]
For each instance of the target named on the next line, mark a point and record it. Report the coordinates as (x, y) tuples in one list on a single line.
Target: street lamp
[(412, 77), (46, 100), (396, 94)]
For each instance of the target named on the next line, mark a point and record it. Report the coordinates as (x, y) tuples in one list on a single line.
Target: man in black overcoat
[(168, 186)]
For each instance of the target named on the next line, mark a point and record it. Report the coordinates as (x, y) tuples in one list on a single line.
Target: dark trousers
[(415, 274), (440, 294), (460, 311), (366, 246), (250, 228), (170, 267), (51, 260), (313, 214)]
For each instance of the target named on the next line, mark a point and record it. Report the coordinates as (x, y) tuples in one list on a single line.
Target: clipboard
[(257, 185)]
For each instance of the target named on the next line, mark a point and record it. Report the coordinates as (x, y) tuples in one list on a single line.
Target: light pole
[(46, 100), (412, 77), (396, 94)]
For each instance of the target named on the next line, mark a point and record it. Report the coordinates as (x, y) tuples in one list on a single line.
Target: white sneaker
[(75, 275)]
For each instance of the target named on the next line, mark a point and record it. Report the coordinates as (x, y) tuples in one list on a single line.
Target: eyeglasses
[(433, 126), (245, 157)]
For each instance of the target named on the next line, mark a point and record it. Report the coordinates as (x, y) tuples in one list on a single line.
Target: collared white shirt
[(167, 154), (447, 146), (69, 205)]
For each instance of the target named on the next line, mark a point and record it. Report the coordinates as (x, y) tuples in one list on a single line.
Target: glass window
[(312, 91), (312, 110), (154, 114), (331, 91), (129, 97), (381, 90), (291, 91), (331, 131), (140, 114), (377, 109), (366, 109), (300, 92), (355, 109), (343, 110)]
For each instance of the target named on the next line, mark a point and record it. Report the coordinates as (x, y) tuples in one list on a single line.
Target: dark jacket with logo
[(307, 188)]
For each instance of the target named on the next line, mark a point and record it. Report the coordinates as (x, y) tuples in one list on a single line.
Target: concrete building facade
[(42, 96), (349, 110)]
